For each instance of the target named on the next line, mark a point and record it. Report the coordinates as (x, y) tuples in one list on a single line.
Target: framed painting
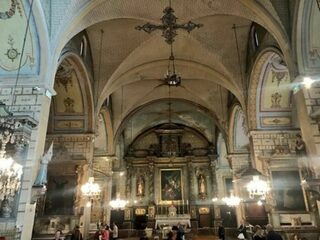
[(171, 185), (287, 191)]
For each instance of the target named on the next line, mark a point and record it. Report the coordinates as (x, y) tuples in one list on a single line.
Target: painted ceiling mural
[(274, 100), (275, 87), (68, 104), (14, 14)]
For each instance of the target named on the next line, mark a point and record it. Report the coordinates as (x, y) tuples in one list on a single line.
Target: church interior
[(154, 113)]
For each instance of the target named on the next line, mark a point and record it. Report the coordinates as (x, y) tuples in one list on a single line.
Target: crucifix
[(169, 25)]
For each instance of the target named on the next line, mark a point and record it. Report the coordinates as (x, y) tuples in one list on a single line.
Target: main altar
[(173, 219)]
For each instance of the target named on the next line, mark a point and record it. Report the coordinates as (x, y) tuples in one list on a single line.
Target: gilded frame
[(171, 186)]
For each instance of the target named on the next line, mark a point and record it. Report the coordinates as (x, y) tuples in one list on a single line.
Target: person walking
[(271, 234)]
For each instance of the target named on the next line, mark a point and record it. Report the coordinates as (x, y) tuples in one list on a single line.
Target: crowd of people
[(103, 233), (258, 233)]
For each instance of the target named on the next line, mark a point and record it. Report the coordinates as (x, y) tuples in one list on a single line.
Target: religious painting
[(287, 191), (193, 212), (60, 195), (171, 185), (151, 212), (170, 145), (127, 214), (140, 186)]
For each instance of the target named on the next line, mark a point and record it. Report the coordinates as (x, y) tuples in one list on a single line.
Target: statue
[(202, 185), (140, 186), (41, 179), (300, 146)]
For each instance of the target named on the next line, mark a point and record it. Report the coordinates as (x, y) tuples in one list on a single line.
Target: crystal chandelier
[(118, 203), (91, 190), (10, 171), (257, 187), (232, 200)]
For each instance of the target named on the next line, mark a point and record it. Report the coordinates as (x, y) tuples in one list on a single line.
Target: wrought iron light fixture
[(169, 29), (169, 25), (172, 78)]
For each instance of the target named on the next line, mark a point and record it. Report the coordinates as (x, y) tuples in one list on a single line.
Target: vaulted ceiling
[(129, 65)]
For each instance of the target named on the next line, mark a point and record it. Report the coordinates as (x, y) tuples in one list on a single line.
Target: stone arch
[(105, 114), (307, 38), (126, 119), (72, 107), (270, 96), (238, 130)]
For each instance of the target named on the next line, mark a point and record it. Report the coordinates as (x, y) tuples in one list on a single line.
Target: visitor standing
[(58, 235), (221, 232), (258, 235), (180, 232), (115, 231), (76, 234), (242, 230), (106, 233), (271, 234)]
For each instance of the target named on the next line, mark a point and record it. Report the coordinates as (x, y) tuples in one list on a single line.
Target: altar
[(165, 221)]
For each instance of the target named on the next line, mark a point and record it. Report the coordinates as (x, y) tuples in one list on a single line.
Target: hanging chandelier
[(257, 187), (172, 78), (91, 190), (118, 203), (10, 171), (169, 29), (232, 200)]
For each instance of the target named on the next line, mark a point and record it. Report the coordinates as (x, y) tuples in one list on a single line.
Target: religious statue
[(41, 179), (300, 146), (140, 186), (202, 185)]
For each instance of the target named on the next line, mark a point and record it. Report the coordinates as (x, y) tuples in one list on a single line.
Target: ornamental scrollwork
[(12, 10)]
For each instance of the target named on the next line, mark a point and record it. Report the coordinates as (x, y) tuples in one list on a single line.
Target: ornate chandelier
[(91, 190), (257, 187), (10, 171), (169, 29), (118, 203), (232, 200)]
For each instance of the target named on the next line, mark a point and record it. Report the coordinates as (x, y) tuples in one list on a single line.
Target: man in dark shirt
[(272, 235), (221, 232)]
